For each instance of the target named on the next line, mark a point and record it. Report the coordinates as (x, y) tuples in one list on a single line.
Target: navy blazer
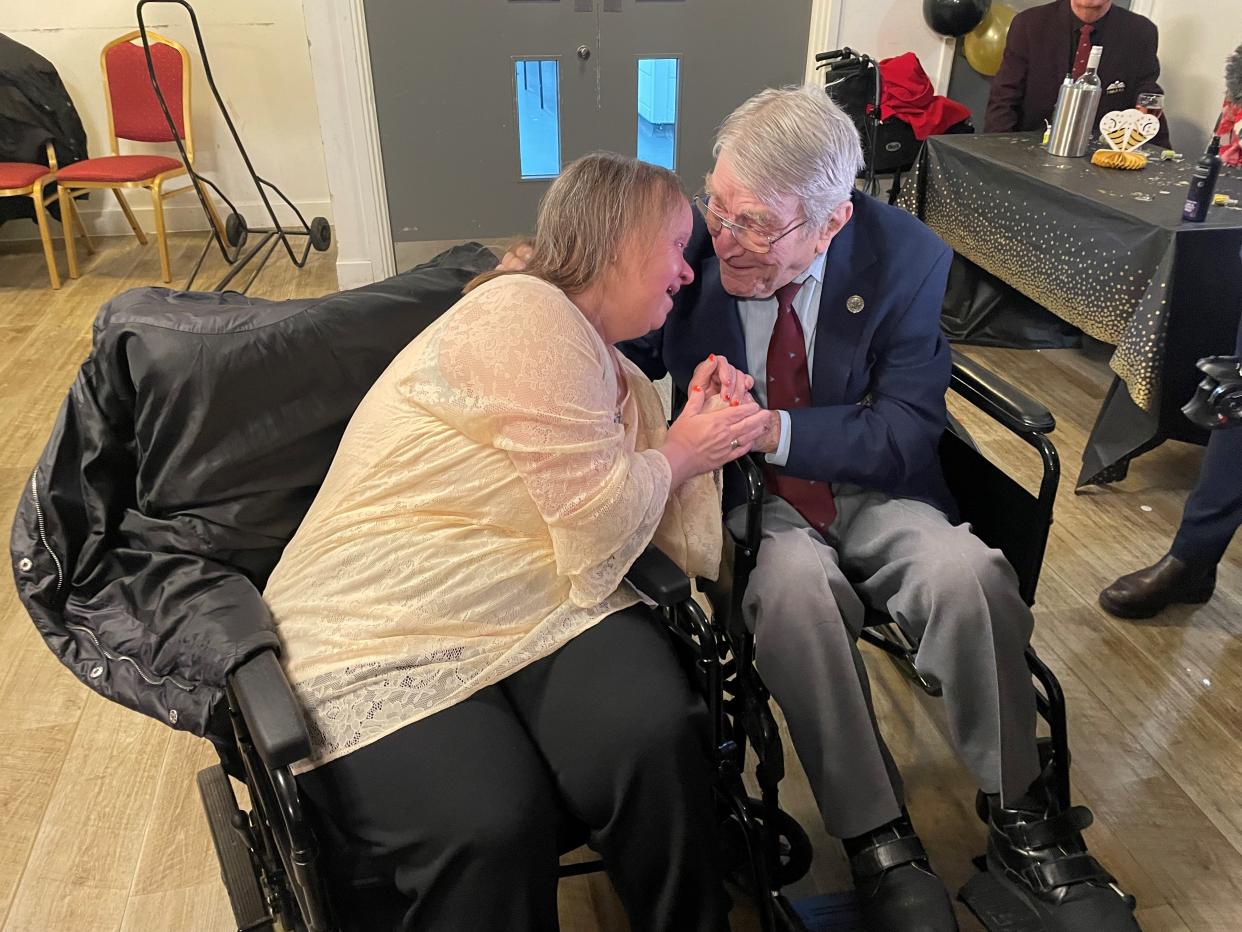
[(880, 375)]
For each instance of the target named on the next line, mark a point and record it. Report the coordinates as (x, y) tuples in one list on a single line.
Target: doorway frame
[(336, 31)]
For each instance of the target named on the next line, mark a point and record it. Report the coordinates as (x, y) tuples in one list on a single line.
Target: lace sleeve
[(525, 372)]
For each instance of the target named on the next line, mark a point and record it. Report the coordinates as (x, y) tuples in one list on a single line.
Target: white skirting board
[(355, 273)]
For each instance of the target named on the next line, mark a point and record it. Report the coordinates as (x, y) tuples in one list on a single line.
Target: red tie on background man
[(1083, 52), (789, 387)]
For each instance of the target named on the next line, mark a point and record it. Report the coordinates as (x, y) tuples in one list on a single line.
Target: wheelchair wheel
[(320, 234), (795, 850), (237, 866), (235, 231), (793, 845)]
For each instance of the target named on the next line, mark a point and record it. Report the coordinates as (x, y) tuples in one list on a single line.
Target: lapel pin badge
[(854, 303)]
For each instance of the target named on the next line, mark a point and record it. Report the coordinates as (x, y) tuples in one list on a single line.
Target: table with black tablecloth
[(1106, 251)]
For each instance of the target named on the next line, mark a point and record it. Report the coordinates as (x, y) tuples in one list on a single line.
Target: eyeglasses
[(754, 240)]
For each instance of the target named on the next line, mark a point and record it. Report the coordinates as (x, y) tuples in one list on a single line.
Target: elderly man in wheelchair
[(831, 300)]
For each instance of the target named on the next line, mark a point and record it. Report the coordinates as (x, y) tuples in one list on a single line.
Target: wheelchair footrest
[(999, 909), (237, 867)]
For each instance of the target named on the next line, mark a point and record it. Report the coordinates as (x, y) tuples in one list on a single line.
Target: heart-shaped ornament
[(1126, 130)]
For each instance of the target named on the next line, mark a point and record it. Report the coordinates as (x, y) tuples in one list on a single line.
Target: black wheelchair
[(188, 450), (275, 859), (1007, 517)]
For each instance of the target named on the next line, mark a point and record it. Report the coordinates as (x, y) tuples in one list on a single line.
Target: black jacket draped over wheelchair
[(148, 528)]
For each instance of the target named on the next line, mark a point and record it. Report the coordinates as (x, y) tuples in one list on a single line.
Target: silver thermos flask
[(1075, 112)]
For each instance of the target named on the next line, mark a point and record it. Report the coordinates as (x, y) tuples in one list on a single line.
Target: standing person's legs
[(1214, 510), (626, 739), (806, 619), (1213, 513), (460, 810), (959, 599)]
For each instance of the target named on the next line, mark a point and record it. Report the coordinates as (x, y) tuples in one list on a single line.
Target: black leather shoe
[(897, 889), (1038, 854), (1148, 591)]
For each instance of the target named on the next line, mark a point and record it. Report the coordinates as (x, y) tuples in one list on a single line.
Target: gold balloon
[(985, 44)]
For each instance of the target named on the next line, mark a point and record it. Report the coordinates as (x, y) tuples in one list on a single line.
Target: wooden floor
[(101, 823)]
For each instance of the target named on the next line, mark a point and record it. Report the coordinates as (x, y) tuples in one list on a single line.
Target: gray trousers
[(948, 590)]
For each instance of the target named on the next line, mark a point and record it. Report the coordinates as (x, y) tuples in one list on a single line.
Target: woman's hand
[(701, 440), (717, 376)]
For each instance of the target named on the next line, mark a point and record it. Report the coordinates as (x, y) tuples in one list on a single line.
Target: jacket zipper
[(154, 681), (34, 494), (60, 581)]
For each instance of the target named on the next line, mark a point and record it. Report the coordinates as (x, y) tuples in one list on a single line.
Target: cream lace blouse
[(484, 504)]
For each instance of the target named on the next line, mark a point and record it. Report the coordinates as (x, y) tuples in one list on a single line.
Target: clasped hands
[(720, 420)]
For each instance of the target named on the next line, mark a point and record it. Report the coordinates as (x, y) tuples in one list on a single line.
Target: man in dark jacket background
[(1047, 42)]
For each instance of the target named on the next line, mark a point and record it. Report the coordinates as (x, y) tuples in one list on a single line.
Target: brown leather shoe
[(1147, 592)]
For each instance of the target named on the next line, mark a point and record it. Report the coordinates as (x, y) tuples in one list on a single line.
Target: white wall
[(261, 64), (1196, 36), (884, 28)]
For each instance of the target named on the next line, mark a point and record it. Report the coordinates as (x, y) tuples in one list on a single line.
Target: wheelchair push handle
[(846, 52)]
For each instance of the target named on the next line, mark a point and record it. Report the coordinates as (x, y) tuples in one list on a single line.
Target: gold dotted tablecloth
[(1094, 246)]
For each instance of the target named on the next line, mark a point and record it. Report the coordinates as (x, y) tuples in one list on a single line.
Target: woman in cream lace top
[(453, 609)]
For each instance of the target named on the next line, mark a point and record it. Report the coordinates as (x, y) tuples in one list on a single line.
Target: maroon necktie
[(789, 387), (1083, 53)]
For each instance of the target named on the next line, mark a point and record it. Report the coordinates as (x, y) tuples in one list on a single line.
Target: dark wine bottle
[(1203, 184)]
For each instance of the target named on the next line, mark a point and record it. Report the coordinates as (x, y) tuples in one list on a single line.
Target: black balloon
[(954, 17)]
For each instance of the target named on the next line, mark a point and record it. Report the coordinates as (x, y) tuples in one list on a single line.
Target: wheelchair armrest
[(987, 391), (272, 713), (659, 578), (752, 484)]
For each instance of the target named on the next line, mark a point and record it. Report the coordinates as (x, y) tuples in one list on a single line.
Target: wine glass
[(1150, 103)]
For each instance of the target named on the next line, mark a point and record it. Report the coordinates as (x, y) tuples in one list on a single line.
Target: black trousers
[(461, 809), (1214, 509)]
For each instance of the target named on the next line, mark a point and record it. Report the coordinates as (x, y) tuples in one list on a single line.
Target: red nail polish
[(734, 403), (711, 357), (696, 389)]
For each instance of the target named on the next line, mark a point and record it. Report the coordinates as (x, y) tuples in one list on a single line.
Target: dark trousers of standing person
[(461, 808), (1214, 509)]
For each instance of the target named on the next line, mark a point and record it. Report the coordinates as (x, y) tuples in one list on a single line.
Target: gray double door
[(652, 78)]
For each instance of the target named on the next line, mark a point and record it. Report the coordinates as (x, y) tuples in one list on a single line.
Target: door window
[(657, 111), (536, 83)]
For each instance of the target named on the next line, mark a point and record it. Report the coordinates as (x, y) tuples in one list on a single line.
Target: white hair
[(793, 141)]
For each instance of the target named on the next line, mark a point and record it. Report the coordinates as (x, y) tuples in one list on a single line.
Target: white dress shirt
[(758, 319)]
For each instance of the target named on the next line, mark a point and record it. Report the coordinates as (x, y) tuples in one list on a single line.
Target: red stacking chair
[(30, 179), (134, 113)]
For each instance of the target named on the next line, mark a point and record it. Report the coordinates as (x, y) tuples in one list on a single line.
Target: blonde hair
[(594, 207)]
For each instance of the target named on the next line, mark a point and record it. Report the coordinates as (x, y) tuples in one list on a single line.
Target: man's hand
[(726, 386), (517, 257), (770, 439)]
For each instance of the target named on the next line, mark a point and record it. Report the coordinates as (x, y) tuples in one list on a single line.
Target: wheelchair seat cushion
[(183, 459)]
